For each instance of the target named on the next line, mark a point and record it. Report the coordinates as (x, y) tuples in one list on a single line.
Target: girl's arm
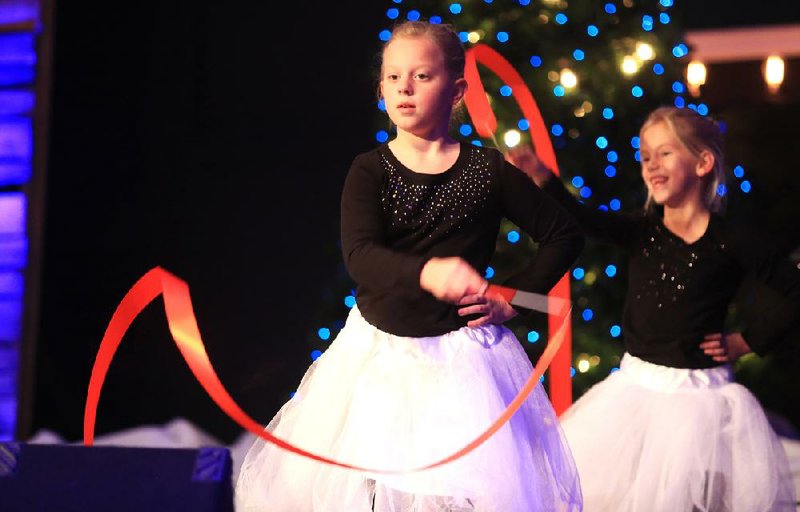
[(613, 227), (772, 298)]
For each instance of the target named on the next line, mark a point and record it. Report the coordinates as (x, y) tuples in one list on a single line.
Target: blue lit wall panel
[(13, 252), (20, 19)]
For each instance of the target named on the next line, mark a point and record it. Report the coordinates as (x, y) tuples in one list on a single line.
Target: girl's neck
[(688, 221), (428, 156)]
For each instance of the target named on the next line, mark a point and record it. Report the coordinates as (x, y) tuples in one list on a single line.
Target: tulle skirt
[(387, 402), (659, 439)]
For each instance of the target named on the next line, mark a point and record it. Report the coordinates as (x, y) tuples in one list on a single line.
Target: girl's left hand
[(724, 348), (493, 310)]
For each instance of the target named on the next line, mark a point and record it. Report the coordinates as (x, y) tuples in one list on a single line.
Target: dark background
[(210, 138)]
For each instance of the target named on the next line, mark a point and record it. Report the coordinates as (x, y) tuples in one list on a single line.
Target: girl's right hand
[(524, 158), (450, 279)]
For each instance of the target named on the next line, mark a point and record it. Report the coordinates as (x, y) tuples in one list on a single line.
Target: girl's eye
[(422, 76), (391, 77)]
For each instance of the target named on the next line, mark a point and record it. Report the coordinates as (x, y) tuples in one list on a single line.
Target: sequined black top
[(393, 220), (678, 292)]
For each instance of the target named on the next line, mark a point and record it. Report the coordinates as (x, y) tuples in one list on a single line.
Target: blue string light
[(612, 156), (557, 130), (647, 23), (577, 181), (610, 171), (608, 113), (745, 186), (506, 90), (578, 273), (513, 236), (666, 3), (678, 87), (382, 105), (315, 354), (658, 69), (615, 204), (637, 91), (559, 90), (477, 142), (611, 270), (489, 273), (601, 142), (572, 371), (578, 54), (535, 61), (393, 13), (533, 336), (502, 36), (637, 156), (664, 18), (523, 124), (722, 189), (465, 130), (585, 192), (561, 18), (615, 331), (610, 8), (524, 2), (349, 301), (680, 102), (435, 20), (702, 109), (587, 314), (592, 31), (464, 36), (413, 15), (455, 8), (738, 171), (680, 50), (324, 333), (635, 142), (385, 35), (382, 136)]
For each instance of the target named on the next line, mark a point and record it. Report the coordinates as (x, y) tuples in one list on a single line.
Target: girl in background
[(671, 431)]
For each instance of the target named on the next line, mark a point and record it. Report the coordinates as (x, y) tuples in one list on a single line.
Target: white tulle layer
[(381, 401), (659, 439)]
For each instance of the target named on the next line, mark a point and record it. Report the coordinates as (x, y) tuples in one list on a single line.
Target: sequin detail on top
[(442, 207), (675, 264)]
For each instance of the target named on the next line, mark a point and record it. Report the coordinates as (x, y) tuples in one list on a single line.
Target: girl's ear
[(705, 163), (459, 89)]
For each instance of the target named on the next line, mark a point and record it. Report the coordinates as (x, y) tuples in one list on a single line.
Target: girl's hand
[(494, 310), (450, 279), (524, 158), (725, 348)]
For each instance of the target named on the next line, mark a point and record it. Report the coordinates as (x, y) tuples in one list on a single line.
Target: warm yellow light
[(473, 37), (568, 78), (589, 278), (695, 76), (645, 51), (552, 76), (629, 65), (773, 72), (696, 73), (583, 363), (511, 138)]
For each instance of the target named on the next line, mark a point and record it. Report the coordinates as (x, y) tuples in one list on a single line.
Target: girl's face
[(671, 173), (418, 90)]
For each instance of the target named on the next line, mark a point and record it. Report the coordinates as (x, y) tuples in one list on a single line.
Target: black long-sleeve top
[(393, 220), (678, 291)]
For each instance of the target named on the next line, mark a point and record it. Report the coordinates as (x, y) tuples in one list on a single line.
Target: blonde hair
[(696, 133), (442, 34)]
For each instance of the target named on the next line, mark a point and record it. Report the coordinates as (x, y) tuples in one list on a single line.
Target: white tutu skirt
[(394, 403), (659, 439)]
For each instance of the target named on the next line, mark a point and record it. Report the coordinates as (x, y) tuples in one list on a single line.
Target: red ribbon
[(183, 326), (485, 123)]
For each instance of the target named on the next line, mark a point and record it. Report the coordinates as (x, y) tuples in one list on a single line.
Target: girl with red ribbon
[(671, 430), (423, 364)]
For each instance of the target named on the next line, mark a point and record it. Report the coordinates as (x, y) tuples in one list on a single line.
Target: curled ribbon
[(486, 124), (183, 326)]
